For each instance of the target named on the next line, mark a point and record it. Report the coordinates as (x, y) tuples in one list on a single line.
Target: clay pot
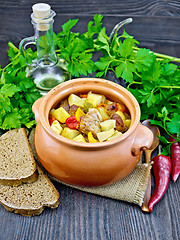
[(89, 164)]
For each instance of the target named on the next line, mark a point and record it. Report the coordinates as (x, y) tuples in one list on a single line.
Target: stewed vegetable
[(89, 118)]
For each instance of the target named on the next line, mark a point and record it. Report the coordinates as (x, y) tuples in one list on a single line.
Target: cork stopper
[(42, 15), (41, 10)]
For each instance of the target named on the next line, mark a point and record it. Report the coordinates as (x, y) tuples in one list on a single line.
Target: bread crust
[(18, 182), (29, 212)]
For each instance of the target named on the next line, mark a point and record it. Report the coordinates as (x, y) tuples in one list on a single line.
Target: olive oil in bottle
[(47, 69)]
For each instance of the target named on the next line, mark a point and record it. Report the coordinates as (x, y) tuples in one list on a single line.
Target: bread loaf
[(17, 163), (30, 199)]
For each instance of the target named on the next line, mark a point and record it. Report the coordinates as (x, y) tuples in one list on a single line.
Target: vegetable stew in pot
[(89, 118)]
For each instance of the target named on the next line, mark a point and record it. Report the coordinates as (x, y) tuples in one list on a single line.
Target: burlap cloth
[(130, 189)]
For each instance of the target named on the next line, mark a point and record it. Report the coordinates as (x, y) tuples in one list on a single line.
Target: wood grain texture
[(160, 34), (86, 216), (81, 215), (130, 7)]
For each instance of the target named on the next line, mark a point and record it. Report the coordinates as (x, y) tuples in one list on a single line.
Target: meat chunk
[(65, 105), (111, 108), (91, 122), (120, 126), (72, 110)]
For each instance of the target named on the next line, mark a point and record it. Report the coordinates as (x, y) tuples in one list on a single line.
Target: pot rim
[(57, 89)]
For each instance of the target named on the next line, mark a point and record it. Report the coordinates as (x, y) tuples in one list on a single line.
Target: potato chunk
[(127, 122), (94, 99), (69, 133), (60, 114), (102, 136), (75, 100), (56, 127), (115, 135), (108, 124), (79, 138), (103, 113)]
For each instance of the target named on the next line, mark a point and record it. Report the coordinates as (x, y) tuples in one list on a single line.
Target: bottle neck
[(43, 29)]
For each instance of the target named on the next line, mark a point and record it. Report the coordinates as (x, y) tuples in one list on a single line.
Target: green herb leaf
[(174, 125), (12, 120), (166, 150), (125, 70), (5, 105), (155, 122), (13, 50), (163, 139), (126, 35), (125, 49), (68, 25), (144, 59), (9, 90)]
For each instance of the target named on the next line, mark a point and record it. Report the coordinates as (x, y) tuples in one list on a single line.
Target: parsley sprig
[(17, 93), (151, 77), (77, 49)]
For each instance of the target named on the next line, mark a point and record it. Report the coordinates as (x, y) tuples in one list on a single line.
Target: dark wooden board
[(81, 215), (70, 7)]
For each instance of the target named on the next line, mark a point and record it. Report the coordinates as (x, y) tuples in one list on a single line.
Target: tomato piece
[(72, 123)]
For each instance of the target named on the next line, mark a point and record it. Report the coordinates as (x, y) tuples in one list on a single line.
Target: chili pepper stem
[(159, 149)]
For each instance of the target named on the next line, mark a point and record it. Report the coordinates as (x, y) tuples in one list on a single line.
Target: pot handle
[(35, 108), (143, 139)]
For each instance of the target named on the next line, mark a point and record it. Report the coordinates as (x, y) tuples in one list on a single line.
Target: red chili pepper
[(72, 123), (162, 172), (175, 156)]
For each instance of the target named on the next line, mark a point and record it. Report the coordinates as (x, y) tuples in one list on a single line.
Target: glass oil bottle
[(47, 69)]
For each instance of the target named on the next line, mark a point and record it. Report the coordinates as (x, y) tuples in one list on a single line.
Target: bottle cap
[(41, 10)]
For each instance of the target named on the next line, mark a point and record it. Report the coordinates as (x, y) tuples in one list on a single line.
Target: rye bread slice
[(29, 199), (17, 163)]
